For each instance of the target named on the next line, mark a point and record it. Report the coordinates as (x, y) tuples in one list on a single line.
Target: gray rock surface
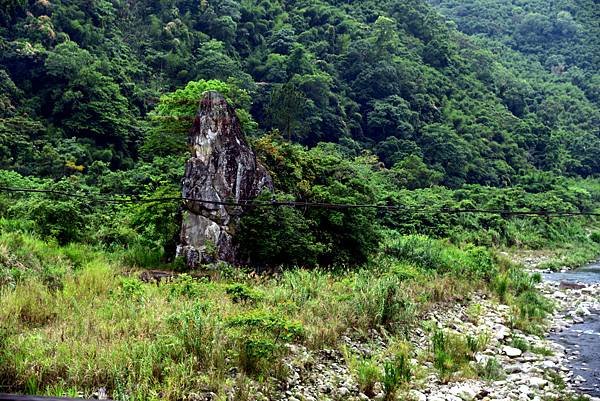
[(222, 169)]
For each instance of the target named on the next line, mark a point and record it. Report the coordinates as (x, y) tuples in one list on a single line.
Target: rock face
[(222, 169)]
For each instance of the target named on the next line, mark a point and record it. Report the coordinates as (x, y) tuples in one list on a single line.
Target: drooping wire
[(302, 204)]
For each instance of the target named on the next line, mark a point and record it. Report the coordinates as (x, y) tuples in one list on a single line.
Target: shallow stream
[(582, 340)]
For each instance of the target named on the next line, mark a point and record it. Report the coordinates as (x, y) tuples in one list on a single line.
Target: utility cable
[(300, 204)]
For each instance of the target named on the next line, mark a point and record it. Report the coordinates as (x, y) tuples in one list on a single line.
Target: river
[(582, 339)]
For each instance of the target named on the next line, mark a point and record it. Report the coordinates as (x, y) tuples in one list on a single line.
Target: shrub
[(556, 379), (256, 353), (474, 312), (185, 286), (157, 225), (480, 263), (30, 303), (260, 336), (419, 250), (304, 285), (529, 312), (442, 257), (93, 280), (475, 344), (197, 331), (520, 281), (142, 255), (542, 351), (405, 271), (64, 219), (279, 236), (243, 293), (24, 256), (132, 288), (500, 286), (520, 343), (312, 236), (266, 322)]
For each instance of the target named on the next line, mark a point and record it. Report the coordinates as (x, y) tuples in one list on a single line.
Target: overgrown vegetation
[(452, 352), (96, 324)]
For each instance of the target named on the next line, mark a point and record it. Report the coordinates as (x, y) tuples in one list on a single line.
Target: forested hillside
[(553, 48), (563, 36), (80, 78)]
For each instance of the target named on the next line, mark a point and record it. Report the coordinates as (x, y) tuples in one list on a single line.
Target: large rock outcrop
[(222, 168)]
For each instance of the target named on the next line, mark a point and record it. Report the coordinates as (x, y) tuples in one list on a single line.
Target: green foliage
[(278, 236), (186, 286), (396, 372), (304, 285), (321, 236), (438, 105), (491, 370), (392, 100), (243, 293), (435, 255), (194, 328), (405, 271), (396, 107), (24, 257), (268, 322), (55, 216), (157, 222), (382, 301), (368, 374), (529, 312), (132, 289), (172, 118), (453, 352), (260, 339), (109, 329), (286, 109), (30, 305)]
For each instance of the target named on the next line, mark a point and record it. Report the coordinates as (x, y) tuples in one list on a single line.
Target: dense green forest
[(395, 77), (552, 48)]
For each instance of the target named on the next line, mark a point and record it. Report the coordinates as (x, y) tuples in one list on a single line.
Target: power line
[(302, 204)]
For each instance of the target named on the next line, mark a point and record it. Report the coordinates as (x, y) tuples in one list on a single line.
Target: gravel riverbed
[(546, 375)]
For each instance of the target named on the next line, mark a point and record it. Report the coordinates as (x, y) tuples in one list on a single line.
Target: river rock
[(417, 395), (583, 311), (500, 332), (537, 382), (464, 392), (511, 351), (222, 169)]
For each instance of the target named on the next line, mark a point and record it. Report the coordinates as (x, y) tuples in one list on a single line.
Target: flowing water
[(582, 337)]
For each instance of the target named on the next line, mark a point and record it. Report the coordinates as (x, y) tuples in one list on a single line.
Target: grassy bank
[(75, 319), (574, 244)]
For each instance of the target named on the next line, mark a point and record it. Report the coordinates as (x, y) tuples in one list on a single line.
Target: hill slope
[(79, 79)]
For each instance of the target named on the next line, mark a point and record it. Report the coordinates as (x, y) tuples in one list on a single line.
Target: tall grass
[(95, 324), (442, 257), (453, 352)]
